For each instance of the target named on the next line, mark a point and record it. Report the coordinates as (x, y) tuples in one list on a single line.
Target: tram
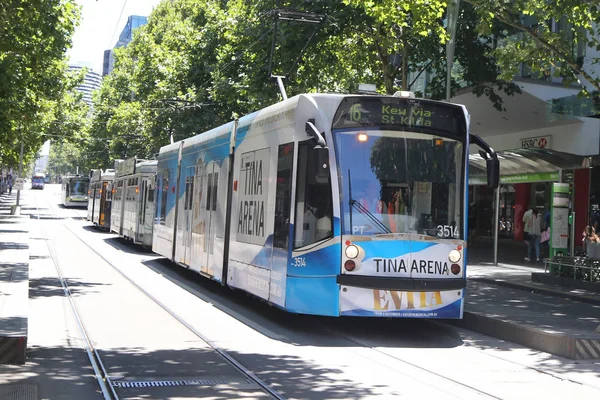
[(74, 191), (132, 214), (334, 205), (37, 181), (99, 207)]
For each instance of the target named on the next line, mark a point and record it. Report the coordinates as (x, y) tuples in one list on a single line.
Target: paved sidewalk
[(55, 366), (519, 277), (501, 301), (14, 283)]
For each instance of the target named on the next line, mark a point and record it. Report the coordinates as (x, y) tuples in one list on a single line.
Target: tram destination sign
[(401, 114), (126, 167), (96, 175)]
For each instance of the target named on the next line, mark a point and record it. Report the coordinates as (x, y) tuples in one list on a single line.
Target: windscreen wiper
[(368, 213)]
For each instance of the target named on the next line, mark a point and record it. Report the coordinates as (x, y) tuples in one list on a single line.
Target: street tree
[(34, 37), (552, 38)]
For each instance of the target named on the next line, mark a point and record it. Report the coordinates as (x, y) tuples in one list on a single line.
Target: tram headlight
[(454, 256), (352, 251)]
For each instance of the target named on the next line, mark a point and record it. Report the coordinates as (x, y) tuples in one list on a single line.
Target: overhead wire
[(117, 24)]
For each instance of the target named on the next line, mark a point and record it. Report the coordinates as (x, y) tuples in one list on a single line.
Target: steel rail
[(420, 368)]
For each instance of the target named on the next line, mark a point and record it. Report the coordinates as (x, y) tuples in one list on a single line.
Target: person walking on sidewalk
[(10, 184), (534, 227)]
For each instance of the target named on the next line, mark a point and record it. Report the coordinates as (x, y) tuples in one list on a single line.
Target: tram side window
[(283, 191), (314, 210), (209, 192), (163, 197), (151, 195), (215, 182)]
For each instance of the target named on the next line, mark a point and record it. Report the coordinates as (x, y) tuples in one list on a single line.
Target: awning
[(530, 164)]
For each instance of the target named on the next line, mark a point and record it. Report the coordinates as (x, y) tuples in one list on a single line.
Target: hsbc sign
[(539, 142)]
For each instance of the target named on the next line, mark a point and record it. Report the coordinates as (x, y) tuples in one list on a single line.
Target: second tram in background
[(100, 194), (132, 214), (74, 191), (37, 181)]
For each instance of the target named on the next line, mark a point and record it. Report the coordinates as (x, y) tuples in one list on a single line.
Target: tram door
[(102, 203), (210, 215), (187, 217), (146, 212)]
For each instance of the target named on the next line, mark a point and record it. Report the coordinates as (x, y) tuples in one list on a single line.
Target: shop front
[(527, 178)]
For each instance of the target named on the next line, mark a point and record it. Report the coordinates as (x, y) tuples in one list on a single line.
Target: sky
[(100, 26)]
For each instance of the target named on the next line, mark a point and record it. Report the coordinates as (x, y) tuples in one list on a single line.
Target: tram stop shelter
[(526, 176)]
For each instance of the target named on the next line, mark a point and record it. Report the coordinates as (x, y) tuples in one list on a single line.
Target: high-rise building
[(133, 22), (91, 82)]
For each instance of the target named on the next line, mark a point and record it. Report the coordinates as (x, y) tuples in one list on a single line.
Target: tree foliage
[(34, 37), (196, 65), (552, 38)]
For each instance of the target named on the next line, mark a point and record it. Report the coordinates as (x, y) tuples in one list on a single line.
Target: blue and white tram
[(336, 205), (132, 214), (74, 191), (100, 193)]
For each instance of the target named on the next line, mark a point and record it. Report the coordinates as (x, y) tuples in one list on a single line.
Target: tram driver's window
[(314, 210)]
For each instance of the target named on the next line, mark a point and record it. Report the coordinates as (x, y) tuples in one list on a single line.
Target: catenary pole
[(452, 17), (20, 171), (496, 223)]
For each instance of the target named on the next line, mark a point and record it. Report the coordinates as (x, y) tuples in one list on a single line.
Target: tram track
[(410, 364), (246, 372), (426, 372), (329, 331)]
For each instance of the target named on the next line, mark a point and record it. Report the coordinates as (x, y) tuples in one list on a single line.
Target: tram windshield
[(401, 166), (400, 182), (78, 187)]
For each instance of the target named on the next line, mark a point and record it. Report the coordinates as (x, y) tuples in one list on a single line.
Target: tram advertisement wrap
[(357, 302)]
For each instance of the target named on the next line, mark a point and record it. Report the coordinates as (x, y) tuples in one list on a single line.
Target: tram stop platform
[(502, 301), (14, 282)]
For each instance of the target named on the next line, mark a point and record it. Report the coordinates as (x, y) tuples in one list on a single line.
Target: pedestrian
[(545, 236), (533, 227), (10, 184), (589, 236), (526, 228)]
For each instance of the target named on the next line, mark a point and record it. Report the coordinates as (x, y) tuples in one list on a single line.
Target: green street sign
[(520, 178)]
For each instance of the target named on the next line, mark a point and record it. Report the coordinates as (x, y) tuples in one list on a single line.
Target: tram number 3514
[(299, 262), (446, 231)]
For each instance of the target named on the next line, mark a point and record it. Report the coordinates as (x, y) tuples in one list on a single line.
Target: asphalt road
[(300, 357)]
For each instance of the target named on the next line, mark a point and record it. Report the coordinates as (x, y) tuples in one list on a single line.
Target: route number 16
[(446, 231)]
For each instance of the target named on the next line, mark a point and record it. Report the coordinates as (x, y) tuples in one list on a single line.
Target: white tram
[(74, 191), (100, 194), (132, 215)]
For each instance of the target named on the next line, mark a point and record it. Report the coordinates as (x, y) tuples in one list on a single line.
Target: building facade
[(91, 82), (133, 22), (546, 134)]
